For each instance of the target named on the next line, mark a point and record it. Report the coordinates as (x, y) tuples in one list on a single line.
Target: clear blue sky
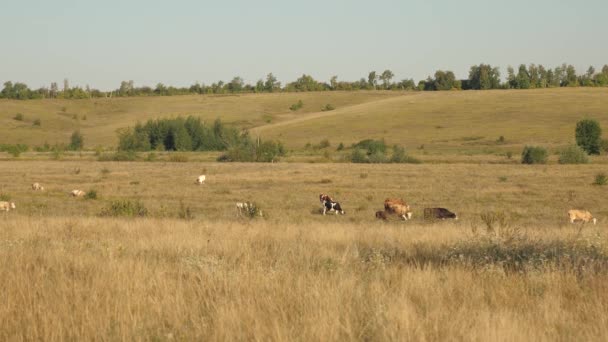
[(180, 42)]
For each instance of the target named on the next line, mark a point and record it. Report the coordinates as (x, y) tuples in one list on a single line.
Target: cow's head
[(594, 220), (408, 215), (13, 205)]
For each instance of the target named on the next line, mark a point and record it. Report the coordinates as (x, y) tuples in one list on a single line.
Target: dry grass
[(90, 278), (296, 275)]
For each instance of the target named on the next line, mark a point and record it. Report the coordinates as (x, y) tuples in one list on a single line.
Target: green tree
[(271, 84), (386, 77), (523, 78), (76, 141), (483, 77), (589, 136), (444, 80), (372, 79)]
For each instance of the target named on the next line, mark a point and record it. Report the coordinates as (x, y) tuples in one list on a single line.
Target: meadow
[(511, 268), (296, 274)]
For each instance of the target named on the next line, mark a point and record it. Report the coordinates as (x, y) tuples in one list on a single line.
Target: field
[(295, 274), (511, 268)]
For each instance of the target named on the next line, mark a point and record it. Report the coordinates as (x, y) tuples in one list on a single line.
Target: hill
[(459, 122)]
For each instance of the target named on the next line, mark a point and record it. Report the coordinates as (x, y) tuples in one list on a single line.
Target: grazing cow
[(7, 206), (201, 180), (381, 215), (398, 207), (438, 213), (331, 205), (582, 215), (77, 193), (37, 187)]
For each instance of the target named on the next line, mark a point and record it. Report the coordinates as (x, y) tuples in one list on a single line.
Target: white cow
[(77, 193), (7, 206), (37, 187), (582, 215), (201, 179)]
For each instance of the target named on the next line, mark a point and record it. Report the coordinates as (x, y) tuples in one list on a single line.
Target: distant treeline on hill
[(481, 77)]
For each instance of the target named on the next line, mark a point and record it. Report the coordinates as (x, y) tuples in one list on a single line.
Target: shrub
[(18, 117), (509, 154), (251, 210), (262, 151), (534, 155), (400, 156), (340, 147), (178, 158), (125, 208), (588, 136), (377, 157), (5, 197), (358, 156), (324, 143), (327, 108), (573, 154), (600, 179), (185, 212), (372, 146), (36, 122), (91, 194), (118, 156), (14, 150), (296, 106), (501, 140), (76, 141)]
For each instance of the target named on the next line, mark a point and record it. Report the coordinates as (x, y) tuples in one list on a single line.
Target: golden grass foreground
[(67, 274)]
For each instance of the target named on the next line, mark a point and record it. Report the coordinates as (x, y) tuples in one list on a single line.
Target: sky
[(180, 42)]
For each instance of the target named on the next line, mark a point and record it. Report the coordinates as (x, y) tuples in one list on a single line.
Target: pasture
[(295, 274)]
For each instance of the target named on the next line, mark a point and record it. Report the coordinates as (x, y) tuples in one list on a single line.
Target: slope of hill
[(465, 121), (98, 119)]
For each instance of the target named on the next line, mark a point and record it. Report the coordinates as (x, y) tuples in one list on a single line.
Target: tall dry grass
[(151, 279)]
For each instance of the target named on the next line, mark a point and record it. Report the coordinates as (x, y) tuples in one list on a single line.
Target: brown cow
[(398, 207), (381, 215), (582, 215)]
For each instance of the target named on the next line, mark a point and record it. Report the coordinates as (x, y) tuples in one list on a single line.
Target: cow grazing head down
[(581, 215), (439, 213), (398, 207), (381, 215)]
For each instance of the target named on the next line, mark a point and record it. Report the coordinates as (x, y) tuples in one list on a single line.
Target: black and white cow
[(331, 205), (439, 213)]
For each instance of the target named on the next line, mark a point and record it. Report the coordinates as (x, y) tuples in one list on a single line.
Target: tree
[(483, 76), (236, 85), (54, 90), (444, 80), (334, 82), (76, 141), (523, 78), (271, 84), (588, 136), (66, 85), (571, 79), (511, 78), (534, 76), (386, 77), (372, 79)]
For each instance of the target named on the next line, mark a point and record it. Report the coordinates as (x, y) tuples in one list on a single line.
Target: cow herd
[(392, 206)]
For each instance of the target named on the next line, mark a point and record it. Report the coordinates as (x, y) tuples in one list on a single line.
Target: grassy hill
[(454, 122), (98, 119), (463, 122)]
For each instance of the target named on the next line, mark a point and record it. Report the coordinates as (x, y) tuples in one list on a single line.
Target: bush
[(14, 150), (358, 156), (327, 108), (588, 136), (36, 122), (125, 208), (178, 158), (573, 154), (76, 141), (372, 146), (377, 157), (118, 156), (399, 156), (340, 147), (296, 106), (18, 117), (534, 155), (600, 179), (91, 194), (262, 151), (5, 197), (324, 143)]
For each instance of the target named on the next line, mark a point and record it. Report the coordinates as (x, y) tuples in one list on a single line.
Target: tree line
[(481, 77)]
